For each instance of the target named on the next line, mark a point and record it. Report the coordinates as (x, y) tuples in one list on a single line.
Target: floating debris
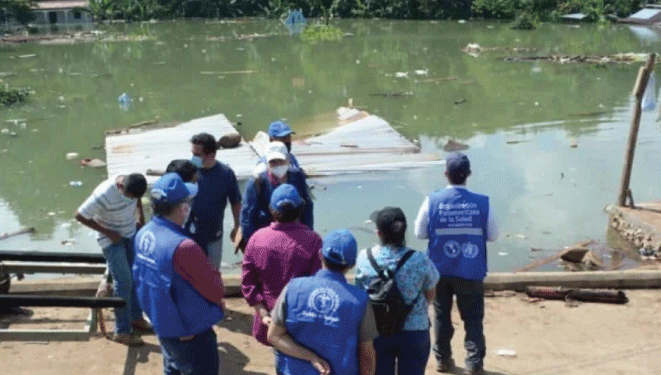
[(621, 58), (436, 80), (421, 72), (395, 93), (453, 146), (401, 74), (475, 49), (92, 163), (72, 156)]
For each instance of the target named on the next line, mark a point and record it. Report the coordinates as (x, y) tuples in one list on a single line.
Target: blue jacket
[(174, 307), (324, 315), (255, 213), (457, 233)]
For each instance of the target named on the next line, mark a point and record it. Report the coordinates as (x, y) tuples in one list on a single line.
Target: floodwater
[(546, 140)]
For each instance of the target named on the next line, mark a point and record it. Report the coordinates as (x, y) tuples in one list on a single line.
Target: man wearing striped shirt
[(111, 211)]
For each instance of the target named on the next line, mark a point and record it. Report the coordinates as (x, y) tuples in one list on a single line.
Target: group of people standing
[(304, 306)]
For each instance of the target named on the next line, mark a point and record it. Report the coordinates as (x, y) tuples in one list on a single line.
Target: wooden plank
[(43, 335), (59, 301), (40, 267)]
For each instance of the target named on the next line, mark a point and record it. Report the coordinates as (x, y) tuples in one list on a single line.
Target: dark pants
[(470, 301), (197, 356), (409, 349)]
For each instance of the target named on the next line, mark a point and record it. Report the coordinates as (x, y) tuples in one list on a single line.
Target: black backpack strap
[(370, 257), (404, 259)]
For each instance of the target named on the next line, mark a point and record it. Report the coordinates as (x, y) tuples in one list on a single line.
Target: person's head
[(171, 198), (280, 131), (184, 168), (286, 204), (204, 148), (457, 168), (276, 159), (339, 250), (133, 186), (391, 226)]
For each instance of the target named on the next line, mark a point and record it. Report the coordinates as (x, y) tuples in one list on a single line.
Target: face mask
[(288, 145), (279, 171), (197, 161), (186, 208)]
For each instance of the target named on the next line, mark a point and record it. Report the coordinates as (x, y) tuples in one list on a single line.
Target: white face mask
[(279, 171)]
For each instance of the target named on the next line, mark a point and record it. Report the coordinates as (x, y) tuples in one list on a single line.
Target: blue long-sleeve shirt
[(255, 213)]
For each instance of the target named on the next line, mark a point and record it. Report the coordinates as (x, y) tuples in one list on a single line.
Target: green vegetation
[(524, 21), (13, 96), (542, 10)]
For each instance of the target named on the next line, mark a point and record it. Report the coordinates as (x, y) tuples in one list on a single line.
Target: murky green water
[(519, 119)]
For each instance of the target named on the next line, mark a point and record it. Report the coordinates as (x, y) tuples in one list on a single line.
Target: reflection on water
[(546, 141)]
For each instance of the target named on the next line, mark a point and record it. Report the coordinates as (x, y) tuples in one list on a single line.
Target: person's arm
[(431, 280), (421, 225), (304, 190), (251, 288), (234, 196), (366, 358), (278, 337), (492, 226), (90, 223), (249, 209), (190, 262), (141, 213)]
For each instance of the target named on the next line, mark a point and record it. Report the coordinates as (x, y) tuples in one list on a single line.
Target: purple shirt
[(274, 255)]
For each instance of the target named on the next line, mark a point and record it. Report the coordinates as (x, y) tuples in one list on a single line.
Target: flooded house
[(54, 14)]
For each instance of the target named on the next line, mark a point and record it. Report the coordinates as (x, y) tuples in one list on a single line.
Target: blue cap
[(171, 189), (340, 248), (279, 129), (285, 193), (457, 165)]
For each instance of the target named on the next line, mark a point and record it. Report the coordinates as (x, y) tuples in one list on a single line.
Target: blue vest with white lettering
[(324, 315), (174, 307), (457, 232)]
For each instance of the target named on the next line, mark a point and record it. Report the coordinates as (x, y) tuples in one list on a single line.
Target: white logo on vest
[(323, 304), (470, 250), (147, 243), (451, 249)]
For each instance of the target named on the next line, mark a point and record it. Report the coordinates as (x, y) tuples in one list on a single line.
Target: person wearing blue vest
[(321, 324), (458, 223), (177, 286)]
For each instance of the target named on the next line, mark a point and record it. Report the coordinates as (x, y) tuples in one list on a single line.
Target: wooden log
[(24, 230), (41, 256), (17, 300), (639, 89)]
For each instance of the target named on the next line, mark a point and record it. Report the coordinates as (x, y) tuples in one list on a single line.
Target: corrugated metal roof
[(60, 5), (361, 143), (139, 151)]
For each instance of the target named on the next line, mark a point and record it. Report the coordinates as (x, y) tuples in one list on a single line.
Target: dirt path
[(548, 337)]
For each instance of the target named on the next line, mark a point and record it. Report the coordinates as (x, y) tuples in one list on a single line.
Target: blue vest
[(324, 315), (174, 307), (457, 233)]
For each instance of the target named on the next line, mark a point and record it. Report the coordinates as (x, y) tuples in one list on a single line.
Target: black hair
[(287, 213), (184, 168), (207, 141), (135, 184), (335, 267), (394, 234), (457, 178)]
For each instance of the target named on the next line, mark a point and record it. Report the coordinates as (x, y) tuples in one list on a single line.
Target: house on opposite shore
[(55, 12)]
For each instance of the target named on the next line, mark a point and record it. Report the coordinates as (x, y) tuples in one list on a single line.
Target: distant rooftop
[(58, 5)]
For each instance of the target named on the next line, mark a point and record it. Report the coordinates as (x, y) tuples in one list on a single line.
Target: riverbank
[(549, 337)]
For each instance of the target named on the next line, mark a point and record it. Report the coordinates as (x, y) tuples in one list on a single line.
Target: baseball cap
[(276, 150), (285, 193), (340, 248), (457, 164), (279, 129), (386, 217), (171, 189)]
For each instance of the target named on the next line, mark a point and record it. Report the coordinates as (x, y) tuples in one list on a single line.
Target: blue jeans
[(470, 302), (214, 250), (410, 349), (119, 257), (197, 356)]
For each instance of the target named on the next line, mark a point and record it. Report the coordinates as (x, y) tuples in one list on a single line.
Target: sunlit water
[(519, 119)]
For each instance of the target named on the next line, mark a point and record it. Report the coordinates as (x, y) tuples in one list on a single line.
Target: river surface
[(546, 141)]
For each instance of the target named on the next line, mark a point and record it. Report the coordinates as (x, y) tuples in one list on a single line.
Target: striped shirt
[(110, 209)]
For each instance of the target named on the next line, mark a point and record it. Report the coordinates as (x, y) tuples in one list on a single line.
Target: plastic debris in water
[(72, 155), (421, 72), (125, 101), (402, 74), (76, 183)]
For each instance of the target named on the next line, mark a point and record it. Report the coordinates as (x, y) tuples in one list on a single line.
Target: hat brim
[(276, 156), (283, 133)]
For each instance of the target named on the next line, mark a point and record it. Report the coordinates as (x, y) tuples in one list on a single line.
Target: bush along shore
[(526, 12)]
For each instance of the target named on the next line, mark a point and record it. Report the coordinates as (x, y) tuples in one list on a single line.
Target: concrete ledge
[(641, 279)]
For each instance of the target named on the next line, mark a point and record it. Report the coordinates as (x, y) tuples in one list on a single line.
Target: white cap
[(276, 150)]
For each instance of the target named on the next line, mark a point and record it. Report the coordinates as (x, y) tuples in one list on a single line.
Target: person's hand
[(267, 320), (115, 237), (233, 233), (320, 365)]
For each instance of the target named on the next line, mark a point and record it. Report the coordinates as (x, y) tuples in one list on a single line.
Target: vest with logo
[(324, 315), (457, 232), (174, 307)]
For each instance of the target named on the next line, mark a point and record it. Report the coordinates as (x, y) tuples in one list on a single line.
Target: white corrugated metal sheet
[(361, 143), (139, 151)]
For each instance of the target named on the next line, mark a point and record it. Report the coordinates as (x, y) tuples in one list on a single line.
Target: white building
[(61, 13)]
